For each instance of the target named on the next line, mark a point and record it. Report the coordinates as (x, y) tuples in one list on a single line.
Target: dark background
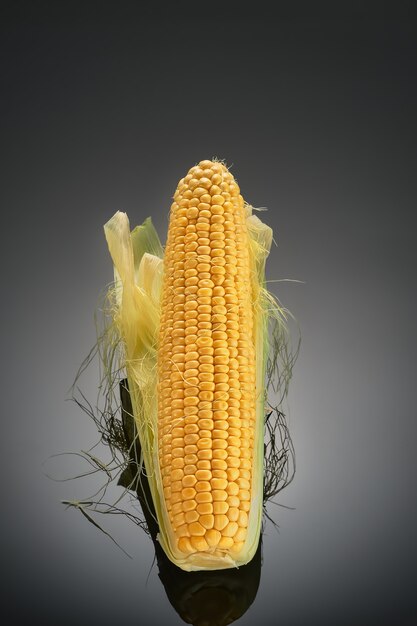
[(106, 107)]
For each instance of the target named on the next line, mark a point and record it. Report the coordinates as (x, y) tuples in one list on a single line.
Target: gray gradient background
[(105, 109)]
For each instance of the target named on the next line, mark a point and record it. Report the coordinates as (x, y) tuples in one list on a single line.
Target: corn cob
[(206, 365), (194, 329)]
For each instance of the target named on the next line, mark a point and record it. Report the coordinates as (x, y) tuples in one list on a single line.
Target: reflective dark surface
[(105, 108)]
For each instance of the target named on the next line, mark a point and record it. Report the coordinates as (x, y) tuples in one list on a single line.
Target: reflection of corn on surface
[(206, 365)]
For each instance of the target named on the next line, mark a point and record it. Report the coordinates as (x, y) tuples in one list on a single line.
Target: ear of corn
[(194, 329)]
